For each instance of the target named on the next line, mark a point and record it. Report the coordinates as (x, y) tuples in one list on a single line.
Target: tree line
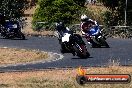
[(67, 10)]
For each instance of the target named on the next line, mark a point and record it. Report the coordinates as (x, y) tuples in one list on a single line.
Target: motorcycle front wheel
[(104, 43), (81, 51)]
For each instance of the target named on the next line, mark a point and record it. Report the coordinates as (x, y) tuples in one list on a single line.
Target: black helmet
[(60, 26)]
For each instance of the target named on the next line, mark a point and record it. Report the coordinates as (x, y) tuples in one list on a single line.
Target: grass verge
[(13, 56), (59, 78)]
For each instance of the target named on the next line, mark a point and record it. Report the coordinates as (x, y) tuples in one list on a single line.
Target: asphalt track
[(119, 53)]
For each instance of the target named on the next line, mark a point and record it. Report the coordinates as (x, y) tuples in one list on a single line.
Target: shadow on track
[(13, 38), (80, 58)]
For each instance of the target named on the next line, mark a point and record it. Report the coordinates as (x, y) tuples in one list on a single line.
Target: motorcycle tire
[(81, 53), (104, 43), (94, 44), (63, 48)]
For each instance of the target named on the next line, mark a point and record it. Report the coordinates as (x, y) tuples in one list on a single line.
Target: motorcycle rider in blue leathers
[(85, 26)]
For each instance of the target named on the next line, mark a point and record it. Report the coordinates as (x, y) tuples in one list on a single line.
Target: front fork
[(91, 41)]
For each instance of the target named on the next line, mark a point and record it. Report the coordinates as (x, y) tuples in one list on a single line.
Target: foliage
[(13, 8), (96, 13), (117, 12), (80, 2), (52, 11)]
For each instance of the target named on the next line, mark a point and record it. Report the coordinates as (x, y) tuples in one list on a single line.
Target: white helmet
[(84, 18)]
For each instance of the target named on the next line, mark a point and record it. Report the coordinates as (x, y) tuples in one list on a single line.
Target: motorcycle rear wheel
[(104, 43)]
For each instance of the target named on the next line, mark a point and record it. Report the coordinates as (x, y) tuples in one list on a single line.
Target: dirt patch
[(13, 56)]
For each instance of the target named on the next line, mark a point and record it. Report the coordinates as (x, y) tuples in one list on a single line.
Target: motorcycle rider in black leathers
[(61, 29)]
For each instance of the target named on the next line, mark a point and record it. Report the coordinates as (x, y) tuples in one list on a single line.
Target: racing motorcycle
[(11, 29), (96, 38), (73, 43)]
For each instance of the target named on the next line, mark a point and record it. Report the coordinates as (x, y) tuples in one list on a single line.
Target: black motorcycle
[(11, 29), (73, 43)]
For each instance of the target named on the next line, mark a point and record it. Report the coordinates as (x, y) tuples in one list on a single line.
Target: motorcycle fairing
[(94, 31), (66, 37)]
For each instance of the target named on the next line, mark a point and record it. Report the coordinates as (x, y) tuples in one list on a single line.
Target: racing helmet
[(84, 18), (60, 26)]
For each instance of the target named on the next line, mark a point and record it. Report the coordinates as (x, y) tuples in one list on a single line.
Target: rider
[(60, 27), (86, 24)]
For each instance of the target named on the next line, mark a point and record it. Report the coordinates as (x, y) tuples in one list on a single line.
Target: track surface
[(120, 52)]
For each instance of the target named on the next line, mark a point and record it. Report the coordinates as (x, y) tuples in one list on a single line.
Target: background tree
[(57, 10), (115, 15), (13, 8), (129, 12), (80, 2)]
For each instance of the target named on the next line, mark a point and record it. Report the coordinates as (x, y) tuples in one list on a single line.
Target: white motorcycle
[(73, 43)]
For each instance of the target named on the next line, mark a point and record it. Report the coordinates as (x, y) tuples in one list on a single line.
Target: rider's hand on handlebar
[(83, 35)]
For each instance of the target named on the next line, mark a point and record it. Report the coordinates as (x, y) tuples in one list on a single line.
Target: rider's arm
[(82, 29), (67, 29), (93, 22)]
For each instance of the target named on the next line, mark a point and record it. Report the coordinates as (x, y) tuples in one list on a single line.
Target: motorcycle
[(11, 29), (96, 37), (73, 43)]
